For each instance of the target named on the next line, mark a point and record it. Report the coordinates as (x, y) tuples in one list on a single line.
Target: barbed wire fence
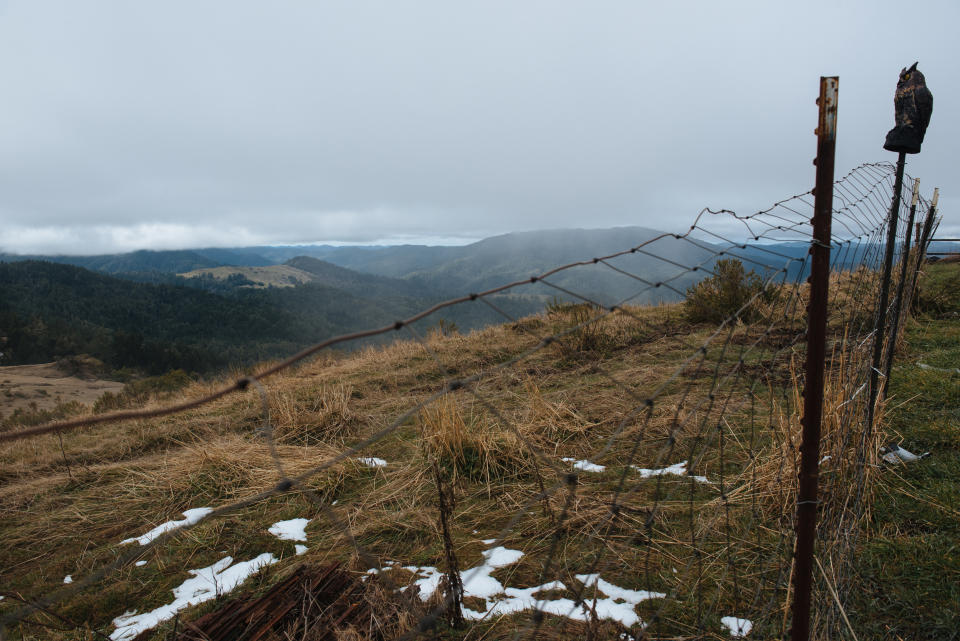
[(673, 514)]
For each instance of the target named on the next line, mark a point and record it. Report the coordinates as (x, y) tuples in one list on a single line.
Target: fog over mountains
[(203, 309), (432, 269)]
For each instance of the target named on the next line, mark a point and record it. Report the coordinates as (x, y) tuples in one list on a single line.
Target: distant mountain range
[(426, 270), (203, 309)]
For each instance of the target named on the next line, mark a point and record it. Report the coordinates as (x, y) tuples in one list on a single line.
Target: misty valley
[(204, 310)]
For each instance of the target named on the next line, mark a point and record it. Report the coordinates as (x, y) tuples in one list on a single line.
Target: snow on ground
[(737, 627), (617, 605), (585, 466), (292, 530), (68, 579), (388, 564), (205, 584), (615, 594), (372, 461), (677, 469), (140, 563), (193, 516)]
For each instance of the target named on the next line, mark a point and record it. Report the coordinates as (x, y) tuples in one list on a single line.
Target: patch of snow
[(372, 461), (205, 584), (140, 564), (292, 530), (616, 592), (192, 515), (429, 583), (825, 459), (520, 599), (389, 565), (487, 541), (585, 466), (68, 579), (677, 469), (737, 627), (300, 549), (609, 608), (500, 556), (478, 583)]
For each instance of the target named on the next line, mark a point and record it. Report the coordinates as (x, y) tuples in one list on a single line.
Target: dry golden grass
[(731, 412)]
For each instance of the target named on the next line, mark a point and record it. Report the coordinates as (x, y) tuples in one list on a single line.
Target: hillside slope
[(535, 449), (534, 411), (366, 284)]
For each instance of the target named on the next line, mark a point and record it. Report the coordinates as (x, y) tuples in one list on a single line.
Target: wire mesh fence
[(602, 469)]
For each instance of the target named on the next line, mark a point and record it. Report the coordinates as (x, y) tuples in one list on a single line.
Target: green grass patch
[(909, 563)]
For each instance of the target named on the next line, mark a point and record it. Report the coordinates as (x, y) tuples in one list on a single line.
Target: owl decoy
[(913, 104)]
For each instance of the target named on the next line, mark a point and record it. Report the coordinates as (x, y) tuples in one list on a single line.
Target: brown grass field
[(724, 400), (44, 386)]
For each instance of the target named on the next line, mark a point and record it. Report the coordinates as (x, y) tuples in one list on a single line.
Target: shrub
[(722, 295), (467, 445), (138, 392), (589, 335)]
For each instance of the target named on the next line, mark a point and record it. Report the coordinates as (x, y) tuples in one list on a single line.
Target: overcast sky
[(127, 125)]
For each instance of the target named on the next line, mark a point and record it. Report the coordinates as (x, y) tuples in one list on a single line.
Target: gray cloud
[(128, 125)]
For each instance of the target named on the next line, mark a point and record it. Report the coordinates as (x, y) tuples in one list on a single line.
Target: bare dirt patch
[(46, 385)]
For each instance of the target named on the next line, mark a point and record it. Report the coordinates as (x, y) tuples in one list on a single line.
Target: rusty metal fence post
[(898, 301), (819, 280)]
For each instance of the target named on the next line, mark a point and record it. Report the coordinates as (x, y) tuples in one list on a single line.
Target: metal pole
[(898, 305), (819, 280), (924, 243), (881, 317)]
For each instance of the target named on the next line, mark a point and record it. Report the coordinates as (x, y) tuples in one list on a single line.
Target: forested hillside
[(49, 311)]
